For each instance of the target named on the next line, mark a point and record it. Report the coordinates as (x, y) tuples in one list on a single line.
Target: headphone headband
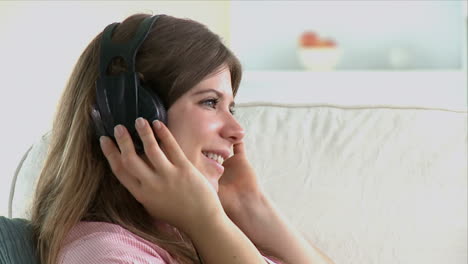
[(128, 50), (120, 98)]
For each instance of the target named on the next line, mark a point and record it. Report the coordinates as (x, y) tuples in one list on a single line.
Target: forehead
[(219, 81)]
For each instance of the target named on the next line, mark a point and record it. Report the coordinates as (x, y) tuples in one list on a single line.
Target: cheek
[(186, 133), (192, 127)]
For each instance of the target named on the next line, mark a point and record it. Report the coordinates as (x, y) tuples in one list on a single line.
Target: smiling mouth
[(218, 166), (218, 158)]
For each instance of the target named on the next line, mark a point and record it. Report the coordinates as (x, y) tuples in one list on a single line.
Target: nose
[(232, 129)]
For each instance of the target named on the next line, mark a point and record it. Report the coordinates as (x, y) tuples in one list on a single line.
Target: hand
[(238, 184), (242, 197), (167, 184)]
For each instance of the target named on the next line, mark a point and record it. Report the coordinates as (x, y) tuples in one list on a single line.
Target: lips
[(219, 167), (223, 153), (214, 157)]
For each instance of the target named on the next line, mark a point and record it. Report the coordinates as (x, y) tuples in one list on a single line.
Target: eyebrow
[(232, 104)]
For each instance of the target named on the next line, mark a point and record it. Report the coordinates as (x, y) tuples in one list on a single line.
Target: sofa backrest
[(366, 185)]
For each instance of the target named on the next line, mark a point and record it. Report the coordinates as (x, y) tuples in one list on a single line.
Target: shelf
[(429, 89)]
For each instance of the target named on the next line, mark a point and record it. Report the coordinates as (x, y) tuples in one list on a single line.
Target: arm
[(264, 224), (220, 241), (245, 203)]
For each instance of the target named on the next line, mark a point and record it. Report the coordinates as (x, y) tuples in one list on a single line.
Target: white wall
[(40, 43), (427, 34)]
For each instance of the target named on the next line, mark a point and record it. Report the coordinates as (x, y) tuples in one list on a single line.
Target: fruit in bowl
[(316, 53)]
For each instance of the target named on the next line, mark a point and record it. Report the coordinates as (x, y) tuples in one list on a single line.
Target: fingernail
[(157, 124), (118, 130), (102, 140), (140, 123)]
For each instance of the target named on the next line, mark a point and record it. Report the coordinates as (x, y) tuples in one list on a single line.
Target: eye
[(214, 102)]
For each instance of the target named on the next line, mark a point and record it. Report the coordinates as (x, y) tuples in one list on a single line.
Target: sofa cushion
[(16, 243)]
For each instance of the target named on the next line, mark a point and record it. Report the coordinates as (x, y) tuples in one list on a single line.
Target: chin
[(212, 177), (214, 184)]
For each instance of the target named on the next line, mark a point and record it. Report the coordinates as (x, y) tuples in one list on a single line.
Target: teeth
[(214, 157)]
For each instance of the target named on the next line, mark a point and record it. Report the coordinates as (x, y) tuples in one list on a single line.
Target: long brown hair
[(76, 183)]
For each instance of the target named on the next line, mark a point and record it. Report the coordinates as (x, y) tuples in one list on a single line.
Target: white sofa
[(371, 175)]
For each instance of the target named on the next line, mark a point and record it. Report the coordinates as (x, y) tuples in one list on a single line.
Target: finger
[(153, 152), (239, 148), (173, 150), (112, 154), (130, 160)]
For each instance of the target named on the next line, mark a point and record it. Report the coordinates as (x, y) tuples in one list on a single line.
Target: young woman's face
[(200, 124)]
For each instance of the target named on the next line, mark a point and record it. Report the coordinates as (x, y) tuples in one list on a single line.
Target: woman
[(101, 202)]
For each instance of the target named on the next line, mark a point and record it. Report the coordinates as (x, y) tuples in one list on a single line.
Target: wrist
[(252, 205), (255, 216), (204, 225)]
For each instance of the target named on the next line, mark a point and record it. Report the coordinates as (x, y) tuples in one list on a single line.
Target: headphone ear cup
[(97, 121), (150, 106)]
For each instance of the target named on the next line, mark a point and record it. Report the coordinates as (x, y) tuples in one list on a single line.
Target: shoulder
[(95, 242)]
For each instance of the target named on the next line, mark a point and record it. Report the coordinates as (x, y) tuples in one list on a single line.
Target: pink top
[(98, 242)]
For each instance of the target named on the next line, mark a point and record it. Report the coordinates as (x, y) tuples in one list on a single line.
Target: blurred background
[(370, 35), (41, 41)]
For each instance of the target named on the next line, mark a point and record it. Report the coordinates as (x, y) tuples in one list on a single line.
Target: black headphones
[(120, 99)]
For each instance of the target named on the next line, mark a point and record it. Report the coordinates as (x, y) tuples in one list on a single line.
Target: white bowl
[(319, 59)]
